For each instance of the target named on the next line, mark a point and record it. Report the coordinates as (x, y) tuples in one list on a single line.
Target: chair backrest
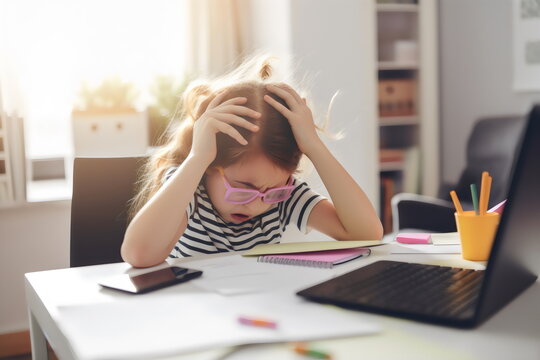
[(102, 188), (491, 147)]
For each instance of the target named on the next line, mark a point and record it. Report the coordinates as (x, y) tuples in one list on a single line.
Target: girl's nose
[(257, 204)]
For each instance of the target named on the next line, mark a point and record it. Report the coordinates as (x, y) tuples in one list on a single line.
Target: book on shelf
[(391, 155), (411, 170), (12, 159)]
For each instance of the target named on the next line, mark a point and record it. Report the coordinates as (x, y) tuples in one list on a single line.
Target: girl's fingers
[(284, 94), (239, 110), (236, 100), (231, 131), (290, 90), (278, 106), (236, 120), (217, 99)]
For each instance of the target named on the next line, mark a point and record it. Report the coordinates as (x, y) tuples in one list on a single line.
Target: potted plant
[(105, 121), (165, 106)]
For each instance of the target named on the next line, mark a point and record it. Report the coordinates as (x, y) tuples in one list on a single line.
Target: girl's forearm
[(153, 231), (353, 207)]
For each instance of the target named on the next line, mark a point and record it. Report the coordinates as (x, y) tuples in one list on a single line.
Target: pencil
[(483, 204), (457, 204), (488, 192), (474, 196)]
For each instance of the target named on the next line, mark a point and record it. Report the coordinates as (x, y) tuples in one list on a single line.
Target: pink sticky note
[(414, 238)]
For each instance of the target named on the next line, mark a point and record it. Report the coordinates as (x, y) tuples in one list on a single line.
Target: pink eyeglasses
[(244, 196)]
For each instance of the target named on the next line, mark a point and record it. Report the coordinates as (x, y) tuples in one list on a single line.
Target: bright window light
[(55, 45)]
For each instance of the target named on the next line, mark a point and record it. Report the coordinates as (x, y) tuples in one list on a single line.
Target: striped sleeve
[(298, 207), (191, 206), (168, 174)]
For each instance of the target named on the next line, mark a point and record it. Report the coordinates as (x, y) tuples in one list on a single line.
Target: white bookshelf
[(396, 65), (407, 64), (390, 7), (398, 120)]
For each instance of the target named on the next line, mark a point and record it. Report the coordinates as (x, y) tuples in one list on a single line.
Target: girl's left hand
[(298, 114)]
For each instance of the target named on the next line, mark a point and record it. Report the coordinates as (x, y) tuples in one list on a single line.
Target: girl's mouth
[(238, 217)]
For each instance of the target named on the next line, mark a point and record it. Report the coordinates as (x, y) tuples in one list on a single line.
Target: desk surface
[(514, 332)]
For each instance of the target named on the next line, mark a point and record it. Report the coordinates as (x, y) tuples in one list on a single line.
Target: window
[(55, 46)]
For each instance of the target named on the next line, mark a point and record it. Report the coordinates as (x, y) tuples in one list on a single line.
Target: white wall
[(33, 237), (271, 26), (334, 45), (476, 73), (331, 47)]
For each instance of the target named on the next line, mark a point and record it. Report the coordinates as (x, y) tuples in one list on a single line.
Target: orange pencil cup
[(476, 233)]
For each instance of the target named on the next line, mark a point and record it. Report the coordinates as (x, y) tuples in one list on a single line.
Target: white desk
[(512, 333)]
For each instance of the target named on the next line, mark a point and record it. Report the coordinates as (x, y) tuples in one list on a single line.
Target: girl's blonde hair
[(274, 139)]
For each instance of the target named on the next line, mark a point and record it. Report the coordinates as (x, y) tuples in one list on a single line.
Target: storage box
[(397, 97)]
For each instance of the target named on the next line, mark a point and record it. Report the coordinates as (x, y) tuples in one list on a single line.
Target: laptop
[(453, 296)]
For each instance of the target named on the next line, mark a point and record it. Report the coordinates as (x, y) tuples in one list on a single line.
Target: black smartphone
[(153, 280)]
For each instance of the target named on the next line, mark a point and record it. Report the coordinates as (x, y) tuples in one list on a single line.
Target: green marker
[(316, 354), (474, 195)]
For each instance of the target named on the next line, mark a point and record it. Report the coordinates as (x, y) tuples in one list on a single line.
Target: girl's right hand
[(219, 117)]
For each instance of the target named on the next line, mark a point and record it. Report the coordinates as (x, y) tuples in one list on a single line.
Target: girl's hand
[(298, 114), (219, 117)]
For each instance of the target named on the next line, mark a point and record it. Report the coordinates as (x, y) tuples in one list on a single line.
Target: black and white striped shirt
[(208, 233)]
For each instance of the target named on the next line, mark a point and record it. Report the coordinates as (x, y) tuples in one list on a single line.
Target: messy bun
[(266, 70)]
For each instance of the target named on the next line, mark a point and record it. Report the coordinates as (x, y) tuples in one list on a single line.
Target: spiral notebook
[(319, 259)]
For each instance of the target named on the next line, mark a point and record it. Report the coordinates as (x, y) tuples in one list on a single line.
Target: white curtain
[(219, 33)]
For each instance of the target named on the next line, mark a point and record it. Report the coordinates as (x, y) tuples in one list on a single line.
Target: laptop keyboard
[(397, 287)]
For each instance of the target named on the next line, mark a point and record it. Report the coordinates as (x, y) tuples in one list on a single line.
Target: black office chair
[(102, 188), (491, 147)]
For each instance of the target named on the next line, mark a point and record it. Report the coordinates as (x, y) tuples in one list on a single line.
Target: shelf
[(391, 166), (393, 65), (397, 7), (398, 120)]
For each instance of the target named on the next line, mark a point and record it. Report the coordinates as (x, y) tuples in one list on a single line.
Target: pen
[(457, 204), (257, 322), (474, 196), (316, 354)]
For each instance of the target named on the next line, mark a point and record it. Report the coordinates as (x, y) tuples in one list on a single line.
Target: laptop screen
[(515, 257)]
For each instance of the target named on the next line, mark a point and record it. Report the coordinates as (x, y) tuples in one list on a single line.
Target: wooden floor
[(16, 346), (52, 356)]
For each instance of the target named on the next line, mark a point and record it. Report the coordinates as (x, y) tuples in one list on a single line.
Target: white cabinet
[(110, 133), (407, 99)]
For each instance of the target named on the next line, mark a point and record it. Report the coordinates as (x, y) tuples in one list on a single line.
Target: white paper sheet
[(236, 275), (444, 239), (424, 249), (236, 284), (143, 327)]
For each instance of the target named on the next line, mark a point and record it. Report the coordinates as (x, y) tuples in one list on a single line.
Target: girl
[(225, 182)]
